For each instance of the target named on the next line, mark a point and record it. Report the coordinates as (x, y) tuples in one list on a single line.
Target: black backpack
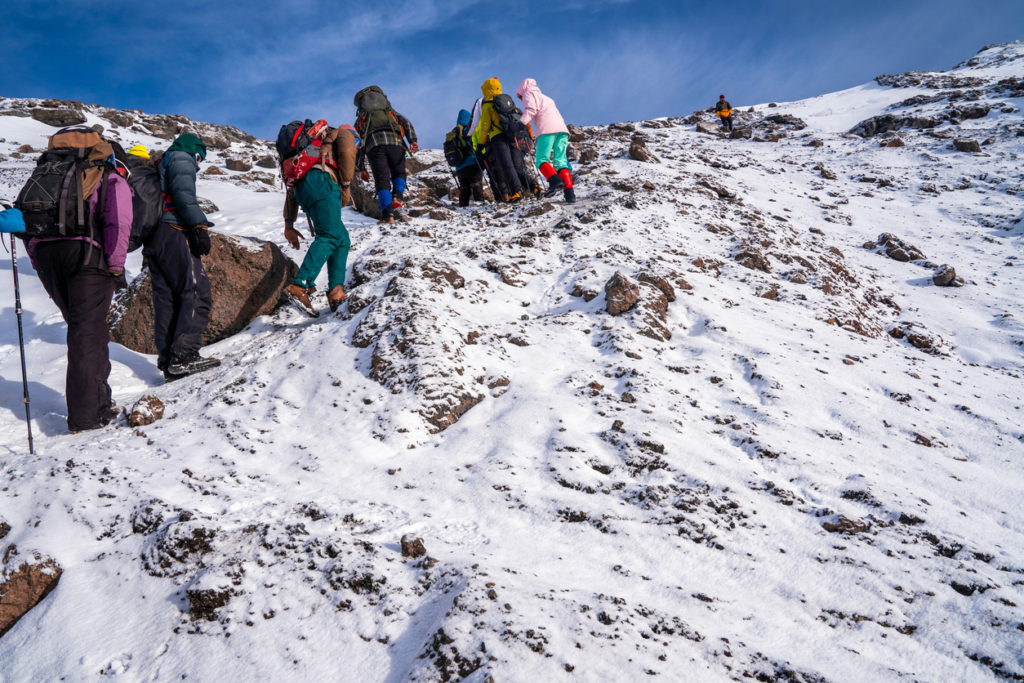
[(147, 199), (53, 201), (508, 114), (456, 148), (374, 112), (292, 139)]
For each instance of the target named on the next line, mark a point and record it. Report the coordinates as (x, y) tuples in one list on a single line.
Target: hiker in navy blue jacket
[(469, 173), (182, 296)]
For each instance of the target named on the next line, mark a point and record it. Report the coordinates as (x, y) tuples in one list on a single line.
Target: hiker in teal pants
[(321, 193)]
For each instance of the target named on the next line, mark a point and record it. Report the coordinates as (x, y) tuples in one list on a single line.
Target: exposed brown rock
[(247, 276), (620, 293), (967, 146), (23, 584), (412, 546), (59, 118), (146, 411)]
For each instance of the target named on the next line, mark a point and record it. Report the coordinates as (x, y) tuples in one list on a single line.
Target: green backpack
[(374, 113)]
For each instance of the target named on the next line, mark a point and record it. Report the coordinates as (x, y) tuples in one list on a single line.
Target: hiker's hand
[(199, 241), (414, 147), (364, 176), (120, 281), (292, 235)]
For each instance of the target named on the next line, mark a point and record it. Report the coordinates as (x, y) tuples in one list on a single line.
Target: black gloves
[(120, 281), (198, 240)]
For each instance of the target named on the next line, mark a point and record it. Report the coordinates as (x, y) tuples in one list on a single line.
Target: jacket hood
[(526, 86), (190, 144), (464, 118), (491, 87)]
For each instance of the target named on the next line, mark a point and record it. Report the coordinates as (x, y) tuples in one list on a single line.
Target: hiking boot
[(335, 297), (517, 197), (299, 297), (387, 214), (397, 199), (536, 191), (570, 195), (554, 185), (190, 363)]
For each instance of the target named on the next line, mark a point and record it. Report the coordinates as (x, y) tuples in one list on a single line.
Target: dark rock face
[(897, 249), (24, 582), (620, 293), (412, 546), (247, 276), (364, 199), (638, 149), (793, 122), (741, 133), (238, 165), (752, 258), (267, 162), (651, 313), (146, 411), (885, 123), (967, 146), (58, 118), (945, 276)]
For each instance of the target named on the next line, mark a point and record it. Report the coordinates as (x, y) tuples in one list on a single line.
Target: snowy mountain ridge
[(794, 458)]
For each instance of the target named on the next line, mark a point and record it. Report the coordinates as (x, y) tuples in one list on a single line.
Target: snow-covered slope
[(807, 466)]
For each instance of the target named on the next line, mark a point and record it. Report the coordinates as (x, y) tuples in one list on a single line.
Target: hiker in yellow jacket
[(724, 111)]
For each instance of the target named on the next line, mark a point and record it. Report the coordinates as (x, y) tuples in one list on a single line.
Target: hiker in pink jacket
[(552, 138)]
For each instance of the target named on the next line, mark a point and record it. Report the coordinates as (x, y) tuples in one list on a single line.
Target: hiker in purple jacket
[(80, 275)]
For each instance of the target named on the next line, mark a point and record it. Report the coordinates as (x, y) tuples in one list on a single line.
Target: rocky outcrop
[(24, 581), (896, 248), (247, 276), (146, 411), (413, 347), (945, 276), (620, 294), (885, 123), (238, 165), (967, 146), (58, 118)]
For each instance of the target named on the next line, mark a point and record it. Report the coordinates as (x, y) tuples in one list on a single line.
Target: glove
[(198, 241), (414, 147), (364, 176), (293, 236), (120, 281)]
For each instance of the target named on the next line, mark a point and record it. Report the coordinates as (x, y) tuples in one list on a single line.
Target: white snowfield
[(780, 491)]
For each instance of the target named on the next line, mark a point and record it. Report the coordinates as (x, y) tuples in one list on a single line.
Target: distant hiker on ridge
[(552, 138), (383, 132), (78, 247), (724, 111), (322, 190), (182, 296)]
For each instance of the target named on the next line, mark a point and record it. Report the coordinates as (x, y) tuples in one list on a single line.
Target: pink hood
[(539, 109)]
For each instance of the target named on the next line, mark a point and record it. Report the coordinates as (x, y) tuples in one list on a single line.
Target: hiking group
[(88, 203)]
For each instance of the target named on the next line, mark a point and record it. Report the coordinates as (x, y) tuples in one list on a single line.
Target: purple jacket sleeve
[(117, 221)]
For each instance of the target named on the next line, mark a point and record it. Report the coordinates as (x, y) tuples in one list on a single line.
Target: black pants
[(182, 297), (82, 293), (726, 122), (386, 162), (509, 161), (470, 184)]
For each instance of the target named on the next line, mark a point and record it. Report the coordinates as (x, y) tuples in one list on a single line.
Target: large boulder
[(58, 118), (364, 199), (247, 275), (24, 581)]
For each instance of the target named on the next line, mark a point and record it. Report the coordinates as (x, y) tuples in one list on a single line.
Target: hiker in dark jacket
[(322, 192), (724, 111), (80, 274), (383, 133), (182, 297), (501, 153), (468, 173)]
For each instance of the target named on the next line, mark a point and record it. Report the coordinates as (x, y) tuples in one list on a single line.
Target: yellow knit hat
[(139, 151)]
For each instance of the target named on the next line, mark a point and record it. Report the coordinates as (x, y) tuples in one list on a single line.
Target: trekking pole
[(21, 343)]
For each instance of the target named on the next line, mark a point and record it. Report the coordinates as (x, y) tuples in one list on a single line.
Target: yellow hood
[(491, 87)]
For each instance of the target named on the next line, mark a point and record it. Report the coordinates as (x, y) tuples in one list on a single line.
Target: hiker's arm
[(117, 222), (291, 207), (410, 132), (531, 107), (483, 129), (181, 185)]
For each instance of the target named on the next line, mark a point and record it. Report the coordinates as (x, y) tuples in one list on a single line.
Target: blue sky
[(257, 65)]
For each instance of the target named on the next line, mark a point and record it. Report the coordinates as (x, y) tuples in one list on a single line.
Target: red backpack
[(298, 145)]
